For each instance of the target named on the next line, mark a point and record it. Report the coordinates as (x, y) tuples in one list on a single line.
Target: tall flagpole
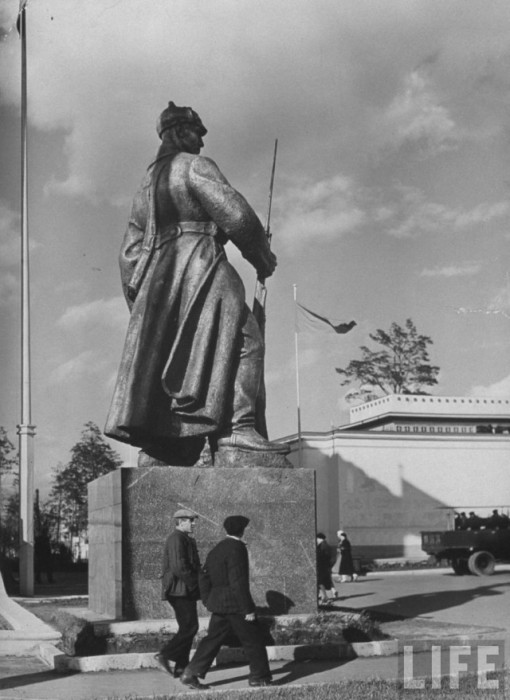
[(297, 377), (26, 430)]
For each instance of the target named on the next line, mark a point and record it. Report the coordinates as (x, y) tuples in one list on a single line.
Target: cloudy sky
[(392, 191)]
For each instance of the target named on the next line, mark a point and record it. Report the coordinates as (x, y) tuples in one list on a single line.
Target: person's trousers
[(178, 648), (249, 635)]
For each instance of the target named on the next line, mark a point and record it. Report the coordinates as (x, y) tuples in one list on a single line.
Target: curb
[(62, 663), (500, 568), (408, 572), (121, 627)]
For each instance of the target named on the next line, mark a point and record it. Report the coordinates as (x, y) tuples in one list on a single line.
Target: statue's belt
[(153, 241), (167, 233)]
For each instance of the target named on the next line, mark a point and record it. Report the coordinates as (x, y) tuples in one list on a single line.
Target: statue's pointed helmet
[(173, 115)]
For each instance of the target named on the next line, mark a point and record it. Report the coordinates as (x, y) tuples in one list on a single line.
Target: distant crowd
[(472, 521)]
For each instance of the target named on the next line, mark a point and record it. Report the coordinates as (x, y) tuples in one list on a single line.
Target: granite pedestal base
[(130, 516)]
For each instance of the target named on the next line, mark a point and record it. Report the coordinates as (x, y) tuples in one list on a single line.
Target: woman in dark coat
[(346, 568), (327, 590)]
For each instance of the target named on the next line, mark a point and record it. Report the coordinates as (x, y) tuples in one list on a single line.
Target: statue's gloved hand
[(267, 265)]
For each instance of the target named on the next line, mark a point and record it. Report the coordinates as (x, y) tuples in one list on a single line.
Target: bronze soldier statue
[(193, 358)]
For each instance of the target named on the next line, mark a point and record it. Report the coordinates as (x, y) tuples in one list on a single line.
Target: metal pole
[(26, 430), (297, 380)]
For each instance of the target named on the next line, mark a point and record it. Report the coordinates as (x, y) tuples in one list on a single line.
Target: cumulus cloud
[(9, 289), (501, 300), (107, 312), (10, 245), (418, 216), (319, 211), (87, 364), (417, 115), (10, 256), (481, 214), (452, 270), (103, 88), (499, 389), (308, 357)]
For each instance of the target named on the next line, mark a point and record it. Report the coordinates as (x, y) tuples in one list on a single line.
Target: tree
[(9, 534), (9, 512), (8, 455), (401, 367), (91, 457)]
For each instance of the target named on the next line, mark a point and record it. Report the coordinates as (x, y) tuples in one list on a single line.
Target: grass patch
[(392, 565), (348, 690), (327, 628)]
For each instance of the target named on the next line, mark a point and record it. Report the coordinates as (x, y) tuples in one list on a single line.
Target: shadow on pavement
[(19, 681), (355, 595), (426, 603), (293, 671), (494, 575), (298, 669)]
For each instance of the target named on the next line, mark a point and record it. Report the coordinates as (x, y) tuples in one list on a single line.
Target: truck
[(474, 551)]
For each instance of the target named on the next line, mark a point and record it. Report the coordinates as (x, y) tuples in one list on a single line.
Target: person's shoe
[(178, 671), (258, 682), (248, 440), (191, 681), (164, 663)]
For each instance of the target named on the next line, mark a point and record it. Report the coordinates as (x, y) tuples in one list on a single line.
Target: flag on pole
[(310, 321)]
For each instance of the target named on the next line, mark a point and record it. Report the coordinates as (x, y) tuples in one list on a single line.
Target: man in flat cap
[(225, 590), (193, 358), (180, 567)]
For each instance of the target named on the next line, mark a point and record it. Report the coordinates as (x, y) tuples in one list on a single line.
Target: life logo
[(469, 666)]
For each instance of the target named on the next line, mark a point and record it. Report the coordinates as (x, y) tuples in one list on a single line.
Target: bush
[(327, 628)]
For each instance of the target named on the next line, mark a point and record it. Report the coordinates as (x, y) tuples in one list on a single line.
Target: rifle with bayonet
[(259, 310)]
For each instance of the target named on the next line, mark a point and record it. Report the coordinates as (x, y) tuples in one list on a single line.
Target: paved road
[(440, 596)]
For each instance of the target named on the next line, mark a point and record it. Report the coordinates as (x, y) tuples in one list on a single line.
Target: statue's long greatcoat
[(184, 335)]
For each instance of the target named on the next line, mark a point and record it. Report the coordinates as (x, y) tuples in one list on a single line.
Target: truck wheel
[(481, 563), (460, 566)]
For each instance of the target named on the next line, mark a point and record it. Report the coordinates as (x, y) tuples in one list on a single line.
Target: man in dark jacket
[(180, 569), (225, 589)]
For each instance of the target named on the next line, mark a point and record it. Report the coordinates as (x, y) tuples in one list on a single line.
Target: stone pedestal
[(130, 516)]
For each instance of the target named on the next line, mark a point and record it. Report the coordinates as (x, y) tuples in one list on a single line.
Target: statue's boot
[(246, 439), (242, 433)]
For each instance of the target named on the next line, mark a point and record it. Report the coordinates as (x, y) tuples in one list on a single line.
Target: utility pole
[(26, 430)]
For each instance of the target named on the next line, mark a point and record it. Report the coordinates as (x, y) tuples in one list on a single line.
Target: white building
[(403, 463)]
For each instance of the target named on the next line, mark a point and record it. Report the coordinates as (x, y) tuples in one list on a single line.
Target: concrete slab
[(27, 631)]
